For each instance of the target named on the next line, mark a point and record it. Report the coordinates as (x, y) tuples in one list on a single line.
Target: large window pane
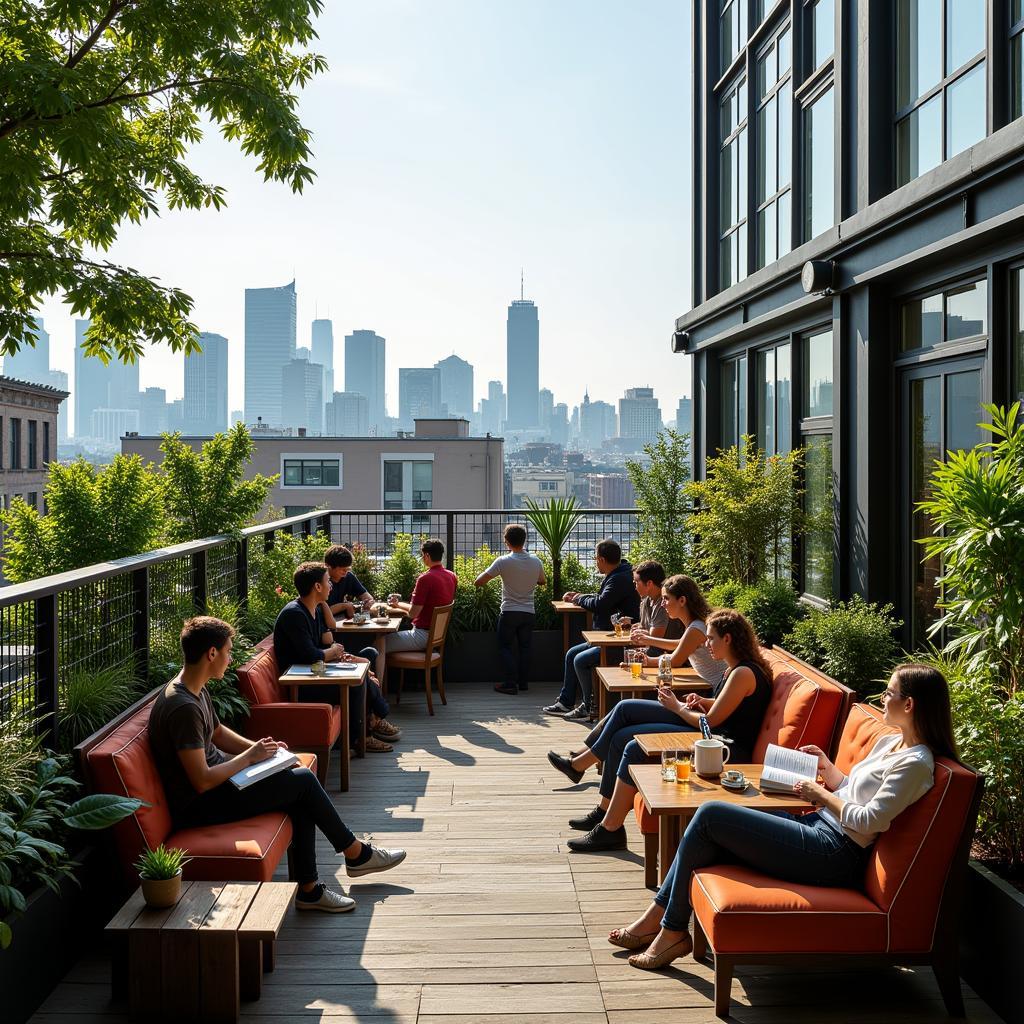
[(817, 547), (926, 449), (918, 48), (785, 102), (823, 31), (818, 374), (1017, 76), (1017, 331), (819, 170), (728, 404), (767, 154), (921, 323), (963, 411), (966, 311), (965, 111), (733, 29), (766, 401), (784, 398), (965, 32), (919, 141)]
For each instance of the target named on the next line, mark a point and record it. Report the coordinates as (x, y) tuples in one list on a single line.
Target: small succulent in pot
[(160, 875)]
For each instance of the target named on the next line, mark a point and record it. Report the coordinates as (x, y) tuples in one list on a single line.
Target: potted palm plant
[(554, 523), (160, 875)]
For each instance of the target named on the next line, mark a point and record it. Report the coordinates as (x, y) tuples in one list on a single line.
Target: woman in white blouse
[(827, 847)]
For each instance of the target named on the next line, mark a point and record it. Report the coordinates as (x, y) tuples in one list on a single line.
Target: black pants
[(298, 793), (357, 697), (515, 633)]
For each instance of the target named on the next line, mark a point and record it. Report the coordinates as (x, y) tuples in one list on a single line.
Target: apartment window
[(1017, 59), (941, 108), (732, 30), (32, 498), (822, 32), (774, 400), (14, 438), (408, 484), (774, 148), (1017, 331), (1, 442), (819, 164), (46, 442), (733, 185), (816, 438), (734, 401), (311, 472), (547, 485), (33, 444), (951, 315)]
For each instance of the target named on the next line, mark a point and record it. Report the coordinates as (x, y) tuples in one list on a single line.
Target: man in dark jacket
[(617, 596)]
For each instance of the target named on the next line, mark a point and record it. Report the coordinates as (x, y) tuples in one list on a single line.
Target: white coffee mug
[(709, 756)]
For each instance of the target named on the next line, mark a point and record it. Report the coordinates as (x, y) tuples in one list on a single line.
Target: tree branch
[(101, 26)]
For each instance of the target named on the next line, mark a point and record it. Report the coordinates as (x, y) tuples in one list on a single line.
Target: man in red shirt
[(434, 589)]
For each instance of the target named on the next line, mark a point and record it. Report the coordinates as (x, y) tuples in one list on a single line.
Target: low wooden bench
[(198, 959)]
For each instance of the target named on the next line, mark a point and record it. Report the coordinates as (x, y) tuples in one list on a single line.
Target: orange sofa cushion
[(743, 911), (258, 679), (864, 725), (299, 725)]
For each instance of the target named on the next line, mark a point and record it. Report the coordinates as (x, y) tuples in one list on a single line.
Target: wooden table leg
[(250, 968), (670, 833), (218, 977), (343, 755), (145, 974), (361, 738), (565, 633)]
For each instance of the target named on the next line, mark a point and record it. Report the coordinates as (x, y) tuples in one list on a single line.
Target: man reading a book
[(197, 755)]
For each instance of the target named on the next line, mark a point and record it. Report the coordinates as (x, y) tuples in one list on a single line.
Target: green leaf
[(101, 810), (5, 935)]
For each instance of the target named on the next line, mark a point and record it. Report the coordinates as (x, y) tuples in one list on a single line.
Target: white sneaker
[(380, 860), (558, 708), (330, 901)]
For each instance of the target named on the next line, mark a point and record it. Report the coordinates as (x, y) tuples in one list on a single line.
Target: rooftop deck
[(491, 919)]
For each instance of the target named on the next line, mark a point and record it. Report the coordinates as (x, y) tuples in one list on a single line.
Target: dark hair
[(650, 572), (610, 551), (682, 588), (433, 549), (933, 719), (201, 633), (515, 535), (731, 623), (338, 557), (307, 576)]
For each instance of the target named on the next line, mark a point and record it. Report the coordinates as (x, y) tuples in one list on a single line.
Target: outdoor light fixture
[(818, 277), (680, 339)]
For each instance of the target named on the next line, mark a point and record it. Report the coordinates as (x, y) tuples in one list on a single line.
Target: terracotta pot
[(161, 892)]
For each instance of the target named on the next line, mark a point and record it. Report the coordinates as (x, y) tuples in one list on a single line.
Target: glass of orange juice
[(635, 660), (682, 766)]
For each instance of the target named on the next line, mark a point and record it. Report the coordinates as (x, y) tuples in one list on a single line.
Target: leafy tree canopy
[(100, 101)]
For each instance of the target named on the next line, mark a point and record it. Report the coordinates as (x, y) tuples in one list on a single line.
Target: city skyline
[(427, 253)]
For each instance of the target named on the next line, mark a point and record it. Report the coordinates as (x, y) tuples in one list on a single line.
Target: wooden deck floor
[(490, 918)]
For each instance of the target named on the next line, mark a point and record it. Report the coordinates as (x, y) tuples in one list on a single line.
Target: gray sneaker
[(329, 901), (380, 860), (579, 714), (558, 708)]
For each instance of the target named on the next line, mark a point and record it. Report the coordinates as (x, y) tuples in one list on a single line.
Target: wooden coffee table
[(615, 683), (675, 803), (198, 959), (342, 681)]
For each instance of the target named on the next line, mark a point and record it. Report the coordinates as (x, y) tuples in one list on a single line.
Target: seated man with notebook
[(303, 636), (197, 757)]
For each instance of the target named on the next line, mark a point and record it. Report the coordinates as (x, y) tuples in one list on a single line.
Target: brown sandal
[(625, 939), (649, 962)]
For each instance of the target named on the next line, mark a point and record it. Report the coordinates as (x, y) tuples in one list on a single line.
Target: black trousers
[(297, 792), (515, 634)]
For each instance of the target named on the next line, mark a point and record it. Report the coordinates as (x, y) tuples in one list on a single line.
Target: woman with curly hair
[(735, 712)]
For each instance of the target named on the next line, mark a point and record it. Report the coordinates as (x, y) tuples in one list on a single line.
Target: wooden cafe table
[(341, 679), (375, 633), (675, 803), (615, 683), (606, 641), (567, 609)]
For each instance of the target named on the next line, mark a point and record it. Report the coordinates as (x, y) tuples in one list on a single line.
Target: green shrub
[(663, 508), (476, 608), (365, 570), (90, 698), (575, 576), (853, 642), (20, 752), (270, 577), (773, 608), (400, 569), (725, 595)]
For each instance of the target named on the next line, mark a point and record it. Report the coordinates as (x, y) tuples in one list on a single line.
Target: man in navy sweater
[(617, 595)]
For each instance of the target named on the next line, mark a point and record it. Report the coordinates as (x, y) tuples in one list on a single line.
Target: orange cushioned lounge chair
[(118, 759), (905, 914), (806, 706)]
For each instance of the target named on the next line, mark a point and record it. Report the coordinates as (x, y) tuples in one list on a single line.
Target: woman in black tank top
[(743, 725)]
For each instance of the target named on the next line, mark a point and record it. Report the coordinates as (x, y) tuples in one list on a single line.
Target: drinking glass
[(635, 661), (682, 766), (668, 765)]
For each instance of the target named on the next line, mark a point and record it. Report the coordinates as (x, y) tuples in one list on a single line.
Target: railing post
[(307, 527), (449, 543), (140, 621), (46, 667), (268, 541), (242, 572), (199, 582)]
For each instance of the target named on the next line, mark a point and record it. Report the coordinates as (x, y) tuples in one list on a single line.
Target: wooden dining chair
[(428, 660)]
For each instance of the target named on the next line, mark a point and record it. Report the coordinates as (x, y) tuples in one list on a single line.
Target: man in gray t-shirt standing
[(521, 573)]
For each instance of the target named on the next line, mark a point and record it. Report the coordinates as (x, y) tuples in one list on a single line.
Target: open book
[(783, 768), (280, 760)]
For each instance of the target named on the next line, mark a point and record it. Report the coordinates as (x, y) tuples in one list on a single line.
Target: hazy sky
[(456, 141)]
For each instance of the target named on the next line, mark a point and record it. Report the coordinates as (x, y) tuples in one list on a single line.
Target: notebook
[(783, 768), (281, 760)]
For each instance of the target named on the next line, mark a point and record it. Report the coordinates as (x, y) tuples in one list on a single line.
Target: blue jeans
[(793, 848), (579, 662), (615, 745)]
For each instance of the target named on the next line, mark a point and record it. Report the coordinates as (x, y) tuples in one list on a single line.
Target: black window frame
[(32, 446), (1016, 41), (944, 348), (302, 464), (14, 442)]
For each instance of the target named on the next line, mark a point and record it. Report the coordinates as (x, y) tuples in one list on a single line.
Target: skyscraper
[(322, 352), (639, 414), (597, 423), (522, 340), (684, 416), (364, 372), (493, 409), (153, 411), (269, 345), (419, 393), (348, 415), (31, 363), (302, 395), (206, 386), (114, 386), (545, 407), (456, 386), (59, 379)]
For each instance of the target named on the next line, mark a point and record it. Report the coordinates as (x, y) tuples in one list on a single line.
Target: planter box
[(50, 936), (474, 657), (991, 928)]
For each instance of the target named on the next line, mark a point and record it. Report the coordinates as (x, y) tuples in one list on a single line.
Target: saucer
[(738, 786)]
